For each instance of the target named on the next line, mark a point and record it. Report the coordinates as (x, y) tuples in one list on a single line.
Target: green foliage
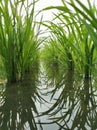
[(58, 50), (76, 34), (72, 43), (50, 54), (19, 44), (2, 69)]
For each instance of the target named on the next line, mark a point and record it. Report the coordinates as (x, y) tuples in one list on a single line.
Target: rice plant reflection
[(71, 103), (18, 108), (75, 107)]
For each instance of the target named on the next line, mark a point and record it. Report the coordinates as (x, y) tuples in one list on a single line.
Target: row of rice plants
[(88, 17), (19, 44), (72, 43), (75, 39)]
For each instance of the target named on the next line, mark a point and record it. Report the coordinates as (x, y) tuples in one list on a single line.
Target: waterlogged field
[(48, 81), (61, 102)]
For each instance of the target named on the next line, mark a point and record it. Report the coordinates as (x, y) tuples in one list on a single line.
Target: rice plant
[(19, 44), (65, 45), (59, 47), (49, 58), (79, 30), (86, 32), (82, 44), (2, 70)]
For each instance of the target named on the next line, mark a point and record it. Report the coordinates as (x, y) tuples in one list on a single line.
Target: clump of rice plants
[(64, 45), (58, 50), (50, 58), (19, 44), (87, 15), (82, 45), (76, 32), (50, 53), (2, 70)]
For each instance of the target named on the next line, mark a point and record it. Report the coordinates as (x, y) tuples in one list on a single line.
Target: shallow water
[(49, 102)]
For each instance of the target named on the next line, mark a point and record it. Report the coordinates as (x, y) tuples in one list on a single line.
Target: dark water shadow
[(70, 102), (75, 107), (18, 108)]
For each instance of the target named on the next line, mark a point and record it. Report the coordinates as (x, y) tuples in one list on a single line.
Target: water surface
[(62, 101)]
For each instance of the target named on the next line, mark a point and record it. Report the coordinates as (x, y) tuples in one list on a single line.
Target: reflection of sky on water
[(50, 127), (68, 99)]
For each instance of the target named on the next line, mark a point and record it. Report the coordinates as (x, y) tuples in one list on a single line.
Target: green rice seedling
[(83, 45), (83, 29), (65, 45), (19, 43), (50, 54), (86, 36), (85, 53), (62, 44), (2, 70)]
